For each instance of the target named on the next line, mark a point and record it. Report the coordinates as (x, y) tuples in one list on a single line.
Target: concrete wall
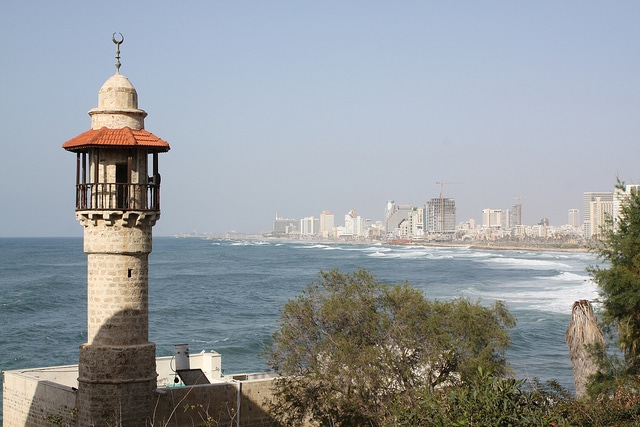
[(29, 401), (48, 397), (236, 403)]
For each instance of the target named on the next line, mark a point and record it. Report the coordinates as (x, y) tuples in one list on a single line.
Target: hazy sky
[(296, 107)]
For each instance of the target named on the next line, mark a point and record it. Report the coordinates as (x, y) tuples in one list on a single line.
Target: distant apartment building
[(619, 196), (598, 208), (519, 231), (515, 216), (327, 225), (574, 218), (417, 222), (354, 225), (441, 216), (404, 230), (539, 230), (494, 218), (394, 216), (309, 226), (507, 217), (389, 209), (284, 226), (375, 229)]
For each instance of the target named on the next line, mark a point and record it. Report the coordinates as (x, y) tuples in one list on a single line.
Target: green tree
[(485, 400), (619, 276), (349, 347)]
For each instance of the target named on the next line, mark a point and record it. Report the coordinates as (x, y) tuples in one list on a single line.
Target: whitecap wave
[(377, 249), (527, 262), (566, 276), (411, 254), (316, 246), (477, 254), (378, 255), (555, 299)]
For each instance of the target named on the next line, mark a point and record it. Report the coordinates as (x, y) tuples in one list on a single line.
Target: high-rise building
[(618, 198), (441, 216), (309, 226), (327, 224), (515, 216), (354, 224), (493, 218), (389, 209), (596, 207), (394, 216), (284, 226), (574, 218), (417, 222)]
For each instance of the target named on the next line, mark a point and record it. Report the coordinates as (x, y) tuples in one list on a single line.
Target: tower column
[(117, 364), (117, 203)]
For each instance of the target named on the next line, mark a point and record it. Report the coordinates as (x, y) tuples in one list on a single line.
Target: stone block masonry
[(116, 384), (117, 299), (117, 370), (116, 236), (117, 282)]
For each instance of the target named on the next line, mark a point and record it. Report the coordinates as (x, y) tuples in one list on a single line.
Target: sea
[(226, 295)]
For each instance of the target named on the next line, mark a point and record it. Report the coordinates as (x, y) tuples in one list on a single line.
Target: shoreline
[(500, 246), (474, 245)]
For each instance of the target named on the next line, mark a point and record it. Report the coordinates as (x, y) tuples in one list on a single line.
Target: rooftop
[(123, 137)]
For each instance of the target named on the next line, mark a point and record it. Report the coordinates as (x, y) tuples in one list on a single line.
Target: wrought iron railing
[(124, 197)]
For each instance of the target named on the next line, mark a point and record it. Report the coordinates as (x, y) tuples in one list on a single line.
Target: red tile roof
[(124, 137)]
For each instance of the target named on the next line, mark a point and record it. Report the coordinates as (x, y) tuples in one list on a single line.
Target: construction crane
[(442, 183)]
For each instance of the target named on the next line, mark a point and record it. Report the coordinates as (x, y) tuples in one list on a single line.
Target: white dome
[(117, 93), (117, 105)]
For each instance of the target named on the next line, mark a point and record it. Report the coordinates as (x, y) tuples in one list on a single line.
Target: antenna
[(117, 43)]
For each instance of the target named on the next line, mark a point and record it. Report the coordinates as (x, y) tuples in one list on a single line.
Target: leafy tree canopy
[(487, 400), (349, 347)]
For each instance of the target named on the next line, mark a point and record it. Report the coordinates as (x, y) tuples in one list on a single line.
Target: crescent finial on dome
[(117, 43)]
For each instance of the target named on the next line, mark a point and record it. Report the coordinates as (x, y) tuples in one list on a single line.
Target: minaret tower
[(117, 203)]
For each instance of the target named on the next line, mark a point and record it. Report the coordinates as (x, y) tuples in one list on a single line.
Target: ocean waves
[(226, 295)]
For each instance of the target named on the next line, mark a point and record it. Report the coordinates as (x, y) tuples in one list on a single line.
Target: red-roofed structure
[(124, 137)]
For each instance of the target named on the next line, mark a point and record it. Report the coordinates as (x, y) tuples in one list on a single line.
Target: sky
[(295, 107)]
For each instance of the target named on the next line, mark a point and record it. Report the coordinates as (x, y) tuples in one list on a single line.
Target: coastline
[(473, 244), (497, 246), (537, 248)]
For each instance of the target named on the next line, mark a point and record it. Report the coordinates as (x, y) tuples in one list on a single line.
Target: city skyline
[(436, 220), (574, 216), (478, 218), (299, 107)]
